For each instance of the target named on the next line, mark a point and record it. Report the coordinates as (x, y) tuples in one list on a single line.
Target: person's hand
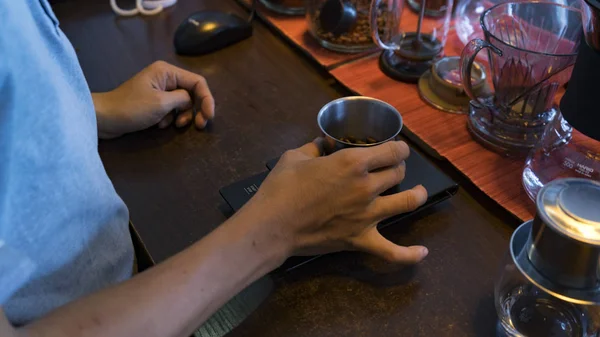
[(151, 97), (319, 204)]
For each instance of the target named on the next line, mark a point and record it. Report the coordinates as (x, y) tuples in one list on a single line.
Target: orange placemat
[(497, 176), (446, 134), (294, 28)]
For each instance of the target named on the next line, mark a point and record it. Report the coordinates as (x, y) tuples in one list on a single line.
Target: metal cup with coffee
[(358, 121)]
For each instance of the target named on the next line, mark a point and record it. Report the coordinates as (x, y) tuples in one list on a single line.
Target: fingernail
[(183, 122), (424, 252)]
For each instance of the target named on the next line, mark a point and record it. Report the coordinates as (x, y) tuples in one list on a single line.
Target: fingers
[(406, 201), (204, 97), (177, 78), (177, 99), (184, 118), (313, 149), (166, 121), (373, 242), (387, 178), (200, 120), (385, 155)]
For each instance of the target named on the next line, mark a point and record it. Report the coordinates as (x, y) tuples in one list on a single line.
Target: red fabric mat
[(497, 176), (295, 29), (447, 134)]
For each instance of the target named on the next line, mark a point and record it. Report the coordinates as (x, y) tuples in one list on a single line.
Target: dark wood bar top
[(268, 96)]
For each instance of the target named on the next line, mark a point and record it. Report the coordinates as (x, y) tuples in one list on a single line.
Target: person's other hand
[(314, 204), (151, 97)]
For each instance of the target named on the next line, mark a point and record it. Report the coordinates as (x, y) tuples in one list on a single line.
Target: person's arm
[(150, 98), (307, 205), (173, 298)]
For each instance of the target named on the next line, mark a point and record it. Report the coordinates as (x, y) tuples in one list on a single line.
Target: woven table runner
[(445, 134)]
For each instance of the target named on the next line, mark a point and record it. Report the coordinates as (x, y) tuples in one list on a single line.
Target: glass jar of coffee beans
[(287, 7), (343, 25)]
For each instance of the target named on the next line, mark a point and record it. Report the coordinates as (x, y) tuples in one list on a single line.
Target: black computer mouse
[(207, 31)]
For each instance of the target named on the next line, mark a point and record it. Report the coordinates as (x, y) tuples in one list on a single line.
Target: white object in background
[(145, 7)]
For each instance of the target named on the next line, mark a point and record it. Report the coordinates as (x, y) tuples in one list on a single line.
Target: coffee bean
[(360, 34), (357, 141)]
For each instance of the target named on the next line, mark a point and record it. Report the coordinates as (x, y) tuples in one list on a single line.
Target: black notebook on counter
[(418, 171)]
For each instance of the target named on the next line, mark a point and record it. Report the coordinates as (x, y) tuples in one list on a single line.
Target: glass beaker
[(532, 47), (286, 7), (410, 52), (526, 310), (347, 29)]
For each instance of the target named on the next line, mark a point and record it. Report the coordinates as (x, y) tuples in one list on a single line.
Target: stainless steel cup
[(562, 253), (359, 117)]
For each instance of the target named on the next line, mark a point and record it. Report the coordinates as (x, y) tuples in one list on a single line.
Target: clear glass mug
[(417, 40), (532, 47), (354, 38)]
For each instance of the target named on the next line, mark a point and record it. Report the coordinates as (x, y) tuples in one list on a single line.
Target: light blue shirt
[(63, 229)]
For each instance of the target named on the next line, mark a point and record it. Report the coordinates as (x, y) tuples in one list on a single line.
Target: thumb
[(313, 149), (374, 243), (176, 99)]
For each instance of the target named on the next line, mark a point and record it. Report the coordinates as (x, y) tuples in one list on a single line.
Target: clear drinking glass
[(532, 47), (525, 310)]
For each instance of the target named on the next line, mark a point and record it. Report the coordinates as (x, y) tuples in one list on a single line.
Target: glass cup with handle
[(532, 47), (417, 39)]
